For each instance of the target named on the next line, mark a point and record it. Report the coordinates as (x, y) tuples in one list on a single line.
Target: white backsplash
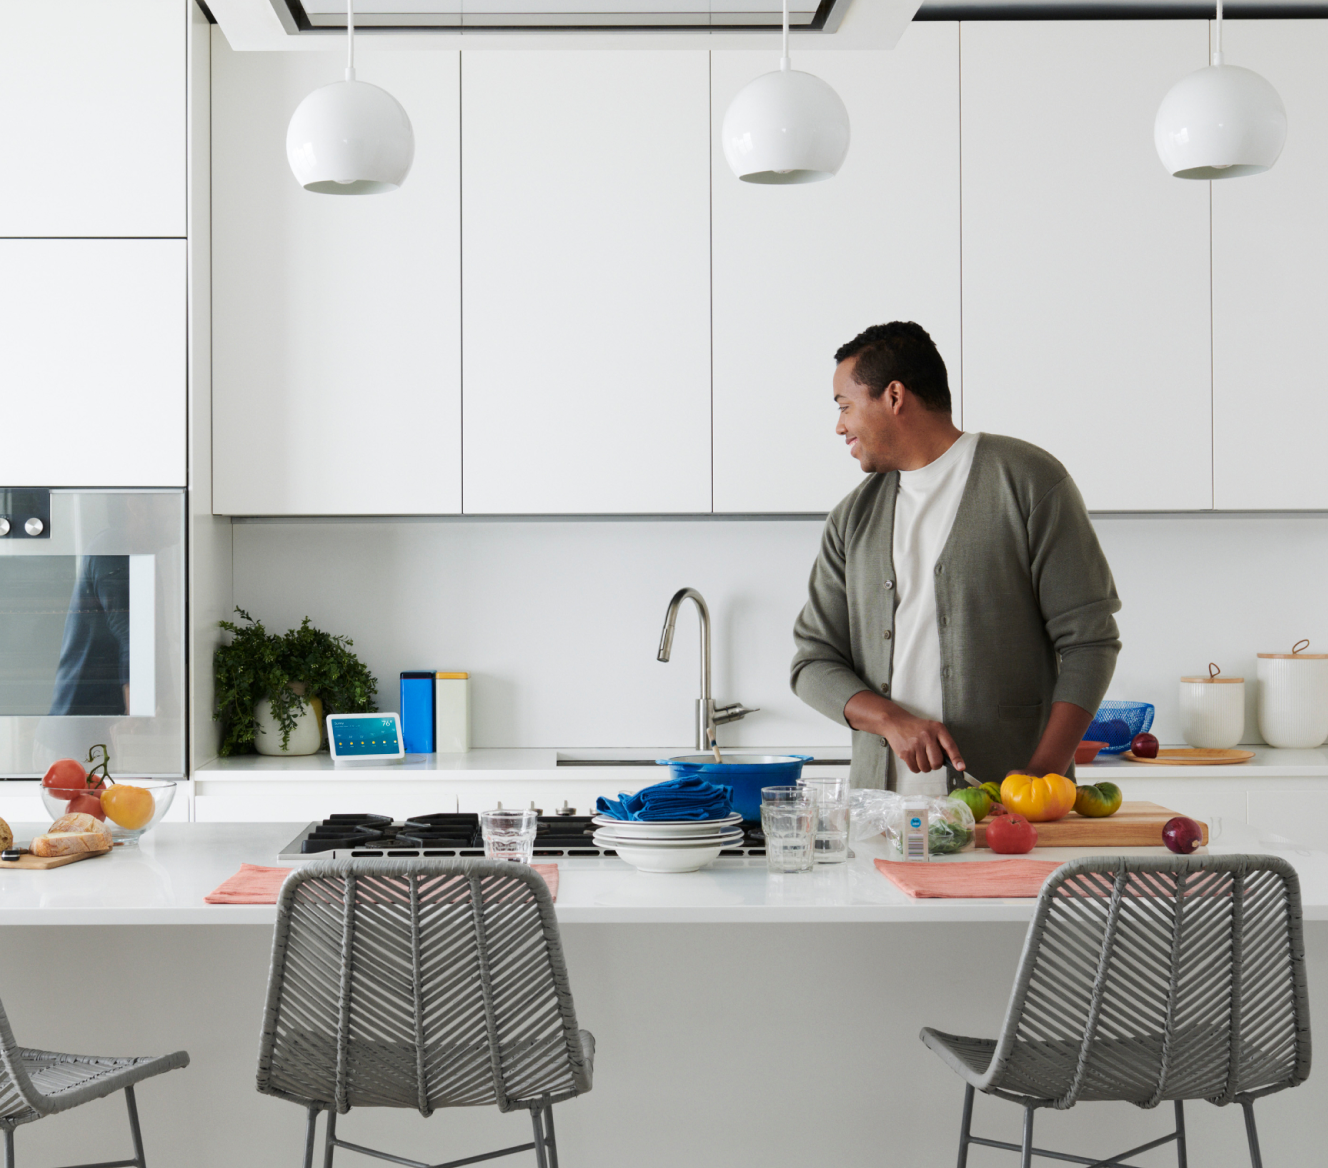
[(558, 621)]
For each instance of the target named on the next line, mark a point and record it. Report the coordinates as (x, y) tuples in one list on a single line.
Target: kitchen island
[(742, 1017)]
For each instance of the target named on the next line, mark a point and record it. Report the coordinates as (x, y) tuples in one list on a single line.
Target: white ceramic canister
[(1293, 698), (1212, 710)]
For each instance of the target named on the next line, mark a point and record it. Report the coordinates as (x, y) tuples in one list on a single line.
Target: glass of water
[(832, 817), (788, 821), (508, 835)]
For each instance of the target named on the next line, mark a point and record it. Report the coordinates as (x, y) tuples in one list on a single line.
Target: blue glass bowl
[(1116, 724), (745, 775)]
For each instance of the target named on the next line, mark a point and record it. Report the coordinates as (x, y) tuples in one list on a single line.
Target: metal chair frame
[(420, 983), (88, 1077), (1185, 978)]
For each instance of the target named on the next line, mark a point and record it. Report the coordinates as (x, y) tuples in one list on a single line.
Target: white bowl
[(606, 839), (669, 859), (667, 828)]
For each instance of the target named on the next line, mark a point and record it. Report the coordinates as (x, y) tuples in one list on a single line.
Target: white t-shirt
[(925, 510)]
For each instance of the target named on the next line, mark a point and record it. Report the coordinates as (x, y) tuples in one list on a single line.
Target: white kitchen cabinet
[(586, 237), (800, 270), (1270, 250), (1086, 278), (94, 125), (92, 337), (335, 320)]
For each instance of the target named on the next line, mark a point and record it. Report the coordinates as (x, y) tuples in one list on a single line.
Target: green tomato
[(979, 802), (1097, 800), (993, 791)]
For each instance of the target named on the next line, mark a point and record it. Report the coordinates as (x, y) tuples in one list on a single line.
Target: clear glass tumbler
[(832, 816), (508, 835), (788, 821)]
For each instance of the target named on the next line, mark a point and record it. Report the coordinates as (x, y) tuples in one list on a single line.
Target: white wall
[(558, 621)]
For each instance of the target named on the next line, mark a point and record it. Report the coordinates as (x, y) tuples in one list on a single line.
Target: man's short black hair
[(899, 351)]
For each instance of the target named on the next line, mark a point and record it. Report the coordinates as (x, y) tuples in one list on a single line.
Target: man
[(961, 606)]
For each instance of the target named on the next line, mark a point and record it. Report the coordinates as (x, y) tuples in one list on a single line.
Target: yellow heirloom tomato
[(1039, 800)]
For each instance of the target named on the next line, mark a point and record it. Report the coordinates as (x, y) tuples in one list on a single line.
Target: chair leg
[(9, 1147), (310, 1131), (135, 1132), (537, 1122), (965, 1124), (1026, 1159), (329, 1134), (1181, 1161), (553, 1140), (1252, 1134)]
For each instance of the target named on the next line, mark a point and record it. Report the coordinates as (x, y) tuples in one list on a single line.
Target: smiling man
[(961, 607)]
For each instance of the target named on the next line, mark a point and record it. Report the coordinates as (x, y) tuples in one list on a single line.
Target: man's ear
[(894, 396)]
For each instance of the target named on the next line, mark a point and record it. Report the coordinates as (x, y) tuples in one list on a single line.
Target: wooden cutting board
[(41, 863), (1135, 825)]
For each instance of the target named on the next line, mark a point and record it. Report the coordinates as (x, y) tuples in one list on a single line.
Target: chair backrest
[(1151, 979), (17, 1096), (419, 983)]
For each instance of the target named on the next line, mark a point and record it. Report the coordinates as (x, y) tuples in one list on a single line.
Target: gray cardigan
[(1024, 604)]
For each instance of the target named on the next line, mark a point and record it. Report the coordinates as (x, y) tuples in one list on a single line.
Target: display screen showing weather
[(361, 736)]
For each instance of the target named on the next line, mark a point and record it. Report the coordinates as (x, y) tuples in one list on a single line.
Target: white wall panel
[(587, 282), (336, 321), (94, 122), (1270, 251), (1086, 266), (800, 270)]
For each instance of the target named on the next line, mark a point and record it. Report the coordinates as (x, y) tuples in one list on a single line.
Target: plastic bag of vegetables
[(950, 825)]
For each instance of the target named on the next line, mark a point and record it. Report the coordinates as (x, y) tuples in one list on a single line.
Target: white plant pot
[(1293, 699), (306, 738)]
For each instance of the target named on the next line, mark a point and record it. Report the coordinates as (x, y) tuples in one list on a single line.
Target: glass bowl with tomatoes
[(128, 807)]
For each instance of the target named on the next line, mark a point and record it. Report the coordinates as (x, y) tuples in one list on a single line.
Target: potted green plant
[(270, 685)]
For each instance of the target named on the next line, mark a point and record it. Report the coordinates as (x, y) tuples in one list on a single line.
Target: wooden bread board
[(1135, 825), (41, 863)]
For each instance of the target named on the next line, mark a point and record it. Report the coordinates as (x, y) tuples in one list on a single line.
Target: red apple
[(1182, 835), (1011, 835), (1144, 746)]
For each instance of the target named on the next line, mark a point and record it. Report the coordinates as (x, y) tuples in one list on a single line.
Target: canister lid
[(1213, 678), (1297, 654), (453, 676)]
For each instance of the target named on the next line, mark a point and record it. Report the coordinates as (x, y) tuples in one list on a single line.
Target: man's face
[(867, 423)]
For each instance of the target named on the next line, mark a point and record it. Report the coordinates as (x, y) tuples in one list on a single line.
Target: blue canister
[(746, 774)]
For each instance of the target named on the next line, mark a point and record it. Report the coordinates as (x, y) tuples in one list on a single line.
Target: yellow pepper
[(1039, 800)]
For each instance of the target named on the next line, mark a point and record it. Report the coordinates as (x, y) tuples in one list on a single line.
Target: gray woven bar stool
[(1143, 980), (425, 984), (38, 1083)]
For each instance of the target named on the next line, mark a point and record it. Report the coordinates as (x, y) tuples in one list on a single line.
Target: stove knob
[(34, 527), (565, 810), (4, 527), (536, 810)]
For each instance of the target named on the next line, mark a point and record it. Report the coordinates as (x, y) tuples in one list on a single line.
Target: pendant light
[(785, 127), (350, 137), (1220, 122)]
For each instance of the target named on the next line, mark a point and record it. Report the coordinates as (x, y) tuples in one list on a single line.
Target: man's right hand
[(920, 744)]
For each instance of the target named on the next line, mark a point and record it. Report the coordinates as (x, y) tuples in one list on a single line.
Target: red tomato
[(66, 774), (1011, 835), (88, 803)]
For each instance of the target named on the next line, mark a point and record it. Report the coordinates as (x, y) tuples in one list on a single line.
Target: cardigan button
[(885, 687), (889, 584), (887, 634)]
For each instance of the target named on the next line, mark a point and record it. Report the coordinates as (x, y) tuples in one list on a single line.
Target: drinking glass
[(509, 835), (788, 820), (832, 816)]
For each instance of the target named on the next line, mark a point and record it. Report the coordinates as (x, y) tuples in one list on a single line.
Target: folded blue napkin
[(691, 798)]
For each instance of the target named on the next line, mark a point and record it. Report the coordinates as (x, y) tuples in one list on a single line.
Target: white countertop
[(164, 880)]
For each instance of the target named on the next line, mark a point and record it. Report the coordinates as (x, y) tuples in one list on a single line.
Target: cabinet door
[(800, 270), (1087, 325), (336, 320), (94, 137), (1270, 250), (92, 362), (586, 235)]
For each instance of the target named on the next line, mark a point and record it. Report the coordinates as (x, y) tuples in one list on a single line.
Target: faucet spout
[(670, 623)]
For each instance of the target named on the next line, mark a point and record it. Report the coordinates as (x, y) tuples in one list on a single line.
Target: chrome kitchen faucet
[(709, 717)]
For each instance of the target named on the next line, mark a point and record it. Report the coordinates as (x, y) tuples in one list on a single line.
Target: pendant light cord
[(1217, 40), (784, 60), (350, 40)]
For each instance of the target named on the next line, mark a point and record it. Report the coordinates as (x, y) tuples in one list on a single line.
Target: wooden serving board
[(1135, 825), (1192, 756), (41, 863)]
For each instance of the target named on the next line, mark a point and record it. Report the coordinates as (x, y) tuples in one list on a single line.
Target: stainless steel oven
[(92, 629)]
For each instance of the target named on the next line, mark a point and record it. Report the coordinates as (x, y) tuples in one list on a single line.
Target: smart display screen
[(354, 737)]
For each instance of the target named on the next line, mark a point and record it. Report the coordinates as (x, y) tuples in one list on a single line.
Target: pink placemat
[(254, 884), (976, 878)]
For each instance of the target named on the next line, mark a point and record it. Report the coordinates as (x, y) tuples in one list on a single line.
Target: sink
[(631, 757)]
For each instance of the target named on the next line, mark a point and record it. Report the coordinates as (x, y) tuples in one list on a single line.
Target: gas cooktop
[(444, 834)]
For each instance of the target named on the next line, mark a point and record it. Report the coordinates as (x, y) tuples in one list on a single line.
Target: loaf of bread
[(79, 821), (6, 836), (67, 843)]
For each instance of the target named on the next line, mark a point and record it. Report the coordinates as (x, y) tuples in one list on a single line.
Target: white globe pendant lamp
[(785, 127), (350, 137), (1220, 122)]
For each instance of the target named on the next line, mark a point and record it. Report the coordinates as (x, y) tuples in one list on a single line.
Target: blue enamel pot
[(745, 775)]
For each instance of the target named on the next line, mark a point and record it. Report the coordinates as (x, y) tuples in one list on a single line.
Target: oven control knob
[(4, 527), (34, 527)]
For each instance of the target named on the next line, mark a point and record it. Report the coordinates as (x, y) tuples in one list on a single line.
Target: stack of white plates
[(668, 845)]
